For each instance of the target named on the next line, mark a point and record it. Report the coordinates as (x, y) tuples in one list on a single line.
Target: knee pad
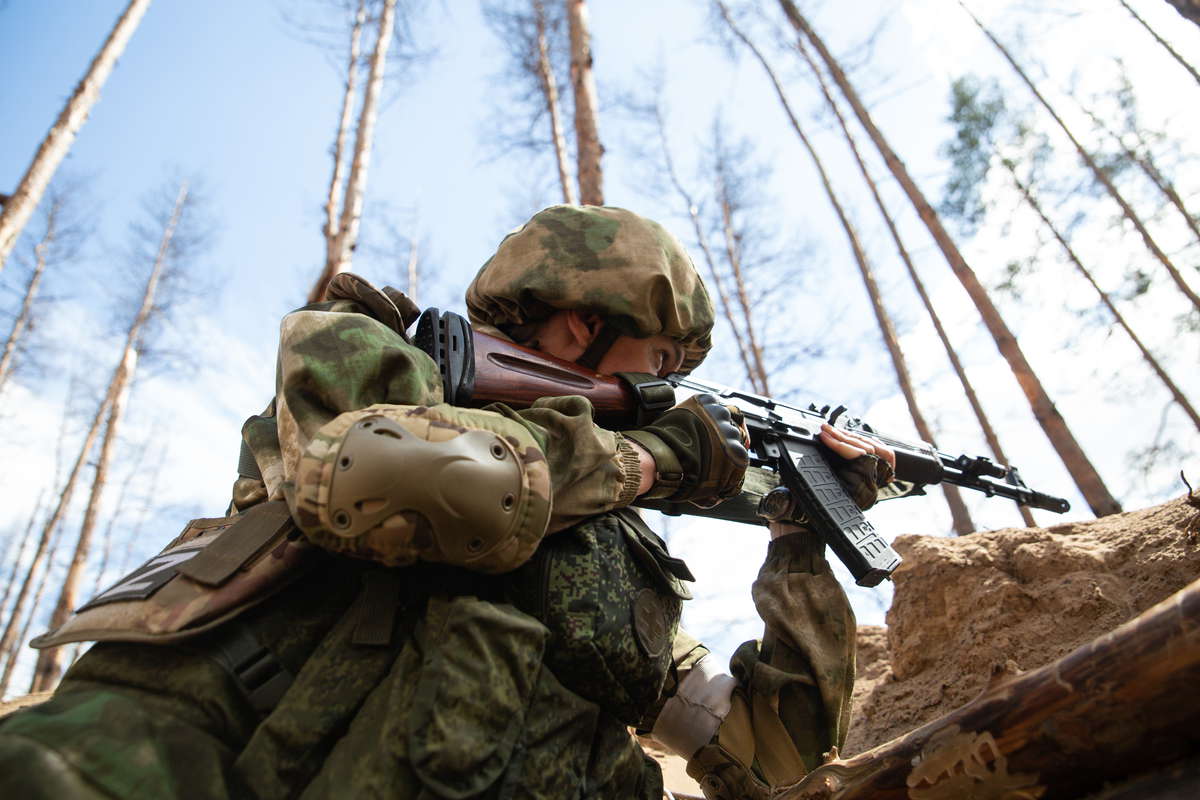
[(400, 484)]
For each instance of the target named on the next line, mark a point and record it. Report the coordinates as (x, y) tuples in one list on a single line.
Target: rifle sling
[(600, 345)]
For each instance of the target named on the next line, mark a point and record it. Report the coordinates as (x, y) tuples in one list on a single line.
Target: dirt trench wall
[(1008, 600)]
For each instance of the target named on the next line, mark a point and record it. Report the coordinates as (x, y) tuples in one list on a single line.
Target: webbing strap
[(654, 395), (238, 543), (376, 608), (254, 668), (247, 464), (600, 345)]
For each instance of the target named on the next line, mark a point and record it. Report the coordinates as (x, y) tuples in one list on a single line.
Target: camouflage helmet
[(610, 261)]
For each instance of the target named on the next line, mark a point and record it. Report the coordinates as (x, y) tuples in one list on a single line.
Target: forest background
[(241, 101)]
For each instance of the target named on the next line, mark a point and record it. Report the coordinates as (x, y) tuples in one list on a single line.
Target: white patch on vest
[(139, 583)]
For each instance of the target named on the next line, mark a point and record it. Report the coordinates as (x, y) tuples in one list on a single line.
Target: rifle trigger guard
[(653, 395)]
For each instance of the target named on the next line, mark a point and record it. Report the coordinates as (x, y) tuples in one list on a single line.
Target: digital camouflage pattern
[(498, 541), (604, 590), (626, 268), (469, 696)]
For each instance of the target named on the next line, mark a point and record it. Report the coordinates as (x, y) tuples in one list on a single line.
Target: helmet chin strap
[(599, 346)]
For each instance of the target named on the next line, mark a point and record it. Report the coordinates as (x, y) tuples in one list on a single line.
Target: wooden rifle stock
[(509, 373), (478, 369)]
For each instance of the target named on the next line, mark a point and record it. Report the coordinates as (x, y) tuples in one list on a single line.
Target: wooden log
[(1123, 705), (1177, 782)]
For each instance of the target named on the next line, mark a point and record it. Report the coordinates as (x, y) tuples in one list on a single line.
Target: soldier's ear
[(583, 326)]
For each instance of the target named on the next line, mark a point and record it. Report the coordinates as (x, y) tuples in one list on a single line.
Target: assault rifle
[(478, 369)]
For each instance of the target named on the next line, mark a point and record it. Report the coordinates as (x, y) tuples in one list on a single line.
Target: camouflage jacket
[(333, 359), (605, 590)]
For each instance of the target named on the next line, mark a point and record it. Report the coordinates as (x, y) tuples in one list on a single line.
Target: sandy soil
[(1009, 600)]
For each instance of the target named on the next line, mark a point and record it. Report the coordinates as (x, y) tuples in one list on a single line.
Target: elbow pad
[(401, 484)]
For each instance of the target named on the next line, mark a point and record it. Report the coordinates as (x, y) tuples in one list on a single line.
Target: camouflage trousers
[(454, 703)]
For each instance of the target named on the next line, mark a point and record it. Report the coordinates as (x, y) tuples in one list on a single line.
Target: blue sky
[(220, 89)]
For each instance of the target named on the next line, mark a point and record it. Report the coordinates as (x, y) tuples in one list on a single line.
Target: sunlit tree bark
[(19, 206), (346, 238), (961, 518), (549, 87), (1033, 202), (11, 629), (19, 555), (1084, 473), (337, 179), (588, 149), (13, 654), (1190, 9), (1162, 42), (985, 424), (49, 664), (733, 256), (21, 323), (1099, 174), (1145, 162), (692, 206)]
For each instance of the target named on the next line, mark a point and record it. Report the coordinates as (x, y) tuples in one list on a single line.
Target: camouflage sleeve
[(592, 470), (791, 703), (740, 508), (333, 359)]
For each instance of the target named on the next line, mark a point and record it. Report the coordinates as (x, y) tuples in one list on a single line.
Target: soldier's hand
[(865, 464), (699, 449)]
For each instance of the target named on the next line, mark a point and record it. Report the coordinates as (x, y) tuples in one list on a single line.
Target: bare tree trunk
[(1082, 471), (1165, 44), (1190, 9), (961, 518), (13, 653), (9, 639), (1146, 164), (693, 210), (19, 206), (549, 87), (1158, 369), (587, 136), (135, 530), (733, 254), (1100, 175), (22, 321), (20, 555), (135, 471), (960, 371), (356, 185), (49, 664), (336, 180)]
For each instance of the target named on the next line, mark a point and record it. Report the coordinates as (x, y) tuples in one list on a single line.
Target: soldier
[(409, 599)]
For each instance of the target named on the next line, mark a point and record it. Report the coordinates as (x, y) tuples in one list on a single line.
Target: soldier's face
[(567, 335), (658, 355)]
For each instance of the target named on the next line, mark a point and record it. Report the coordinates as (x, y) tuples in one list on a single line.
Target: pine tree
[(1100, 174), (49, 663), (961, 518), (588, 149), (342, 238), (18, 207), (1086, 477)]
